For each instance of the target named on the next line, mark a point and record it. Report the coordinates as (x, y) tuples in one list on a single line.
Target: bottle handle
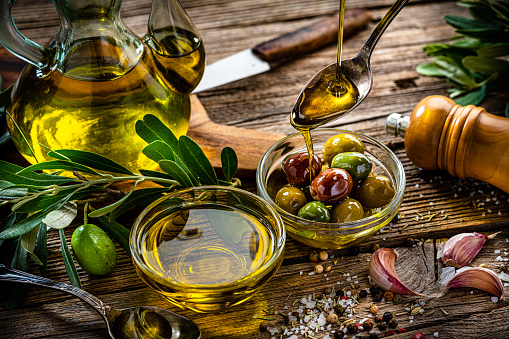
[(17, 43)]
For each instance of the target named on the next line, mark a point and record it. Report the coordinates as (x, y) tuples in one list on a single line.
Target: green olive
[(346, 211), (341, 143), (94, 250), (315, 211), (356, 164), (291, 199), (375, 191)]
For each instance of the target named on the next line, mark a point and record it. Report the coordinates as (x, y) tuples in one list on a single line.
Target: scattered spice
[(401, 330), (387, 316), (323, 255), (352, 328), (263, 326), (373, 336), (378, 297), (313, 256), (338, 335), (363, 293), (444, 311), (393, 323), (376, 247), (416, 310), (388, 295), (419, 335), (397, 298), (378, 319), (409, 242), (327, 269), (318, 269), (332, 318), (389, 333), (373, 309), (368, 325), (382, 326)]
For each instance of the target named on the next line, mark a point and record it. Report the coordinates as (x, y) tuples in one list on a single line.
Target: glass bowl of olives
[(357, 187)]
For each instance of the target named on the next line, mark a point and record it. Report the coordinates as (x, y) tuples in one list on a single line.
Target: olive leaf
[(152, 129), (70, 267), (28, 241), (229, 162), (229, 228), (175, 171), (6, 223), (89, 159), (161, 175), (14, 292), (59, 165), (485, 64), (109, 208), (117, 232), (197, 161), (41, 249), (11, 173), (62, 217), (158, 150), (141, 198)]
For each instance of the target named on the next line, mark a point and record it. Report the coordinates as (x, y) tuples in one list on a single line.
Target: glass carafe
[(89, 85)]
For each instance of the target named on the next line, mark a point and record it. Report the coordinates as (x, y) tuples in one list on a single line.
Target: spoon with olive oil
[(339, 88), (142, 322)]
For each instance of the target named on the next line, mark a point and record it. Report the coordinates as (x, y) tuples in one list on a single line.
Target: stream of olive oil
[(93, 102), (209, 244), (332, 93)]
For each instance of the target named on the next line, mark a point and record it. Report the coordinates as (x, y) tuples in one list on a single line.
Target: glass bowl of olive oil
[(270, 178), (208, 248)]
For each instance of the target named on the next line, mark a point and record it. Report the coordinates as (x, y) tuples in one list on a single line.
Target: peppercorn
[(409, 242), (323, 255), (388, 295), (373, 309), (401, 330), (376, 247), (378, 297), (339, 309), (327, 290), (352, 328), (368, 325), (373, 336), (387, 316), (363, 293), (397, 298), (378, 319), (263, 326), (389, 333), (327, 269), (382, 326), (313, 256), (340, 293), (393, 323), (374, 290), (318, 269), (419, 335), (338, 335), (332, 318)]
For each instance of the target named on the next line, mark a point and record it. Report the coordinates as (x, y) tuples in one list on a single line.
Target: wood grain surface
[(435, 205)]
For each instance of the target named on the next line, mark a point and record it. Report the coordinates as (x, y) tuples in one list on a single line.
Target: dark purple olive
[(296, 168), (331, 186)]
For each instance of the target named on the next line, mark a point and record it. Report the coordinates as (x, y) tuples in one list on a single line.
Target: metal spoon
[(357, 70), (143, 322)]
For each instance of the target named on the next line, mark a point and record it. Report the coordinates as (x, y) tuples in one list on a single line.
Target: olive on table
[(375, 191), (347, 211), (315, 211), (356, 164), (291, 199), (296, 168), (331, 186), (339, 144)]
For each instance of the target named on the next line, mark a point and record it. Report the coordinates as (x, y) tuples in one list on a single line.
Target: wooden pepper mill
[(467, 142)]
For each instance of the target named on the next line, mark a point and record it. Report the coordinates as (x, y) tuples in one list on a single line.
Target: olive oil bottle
[(96, 78)]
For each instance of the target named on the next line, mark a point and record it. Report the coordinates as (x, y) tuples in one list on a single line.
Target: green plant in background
[(476, 62), (41, 202)]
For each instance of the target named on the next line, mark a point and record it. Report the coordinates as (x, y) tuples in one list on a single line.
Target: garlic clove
[(477, 277), (461, 249), (383, 272)]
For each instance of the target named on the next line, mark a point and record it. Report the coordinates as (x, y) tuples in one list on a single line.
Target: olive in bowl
[(350, 221)]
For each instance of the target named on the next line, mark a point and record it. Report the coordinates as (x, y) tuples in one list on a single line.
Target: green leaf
[(453, 72), (14, 292), (109, 208), (62, 217), (27, 224), (5, 97), (197, 161), (41, 249), (495, 50), (229, 162), (10, 172), (70, 267), (151, 129), (429, 69), (117, 232), (58, 165), (142, 198), (155, 174), (158, 150), (473, 97), (28, 241), (486, 65), (5, 138), (6, 223), (465, 23), (89, 159), (228, 225), (486, 34), (10, 191), (44, 201), (176, 172)]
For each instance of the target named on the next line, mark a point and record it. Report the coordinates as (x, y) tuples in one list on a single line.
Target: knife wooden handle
[(311, 38)]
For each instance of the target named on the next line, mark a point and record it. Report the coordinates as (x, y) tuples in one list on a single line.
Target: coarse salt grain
[(435, 334), (496, 251), (494, 299)]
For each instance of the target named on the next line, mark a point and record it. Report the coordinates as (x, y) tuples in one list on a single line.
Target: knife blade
[(268, 54)]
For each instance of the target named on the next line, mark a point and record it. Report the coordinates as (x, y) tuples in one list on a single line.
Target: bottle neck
[(73, 10)]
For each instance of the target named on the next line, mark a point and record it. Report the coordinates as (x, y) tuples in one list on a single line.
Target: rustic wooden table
[(435, 204)]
